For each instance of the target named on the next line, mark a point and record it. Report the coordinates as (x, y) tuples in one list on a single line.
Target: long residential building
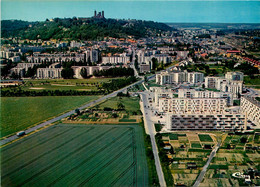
[(52, 72), (176, 77), (21, 68), (251, 108), (225, 121), (116, 60), (90, 70), (192, 105), (42, 58)]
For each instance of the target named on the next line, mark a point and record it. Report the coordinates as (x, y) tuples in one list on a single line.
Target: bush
[(114, 115)]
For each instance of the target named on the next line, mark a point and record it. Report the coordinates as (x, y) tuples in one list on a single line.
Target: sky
[(171, 11)]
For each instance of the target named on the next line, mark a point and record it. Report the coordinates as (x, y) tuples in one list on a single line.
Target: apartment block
[(224, 121), (177, 77), (52, 72), (251, 108)]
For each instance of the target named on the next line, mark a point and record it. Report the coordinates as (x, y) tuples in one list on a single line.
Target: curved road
[(11, 138)]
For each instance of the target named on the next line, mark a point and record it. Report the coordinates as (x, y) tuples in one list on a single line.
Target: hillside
[(81, 28)]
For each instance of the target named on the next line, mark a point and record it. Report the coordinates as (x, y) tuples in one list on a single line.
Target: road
[(204, 170), (149, 129), (11, 138), (252, 92)]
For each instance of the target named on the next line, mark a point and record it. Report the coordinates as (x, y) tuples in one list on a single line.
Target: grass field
[(77, 155), (18, 113), (131, 103), (205, 138), (64, 84)]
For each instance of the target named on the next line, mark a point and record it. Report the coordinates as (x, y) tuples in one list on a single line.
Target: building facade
[(224, 121), (166, 77), (52, 72), (251, 108)]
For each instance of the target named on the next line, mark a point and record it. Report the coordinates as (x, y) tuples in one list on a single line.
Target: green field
[(18, 113), (131, 103), (77, 155), (195, 145), (65, 84), (205, 138)]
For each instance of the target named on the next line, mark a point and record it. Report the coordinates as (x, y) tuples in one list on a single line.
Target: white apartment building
[(90, 70), (92, 55), (235, 76), (251, 108), (192, 93), (225, 121), (40, 58), (21, 68), (192, 105), (232, 83), (227, 85), (116, 60), (52, 72), (166, 77)]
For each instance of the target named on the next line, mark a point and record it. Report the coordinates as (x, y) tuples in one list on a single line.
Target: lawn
[(205, 138), (131, 103), (65, 84), (77, 155), (18, 113)]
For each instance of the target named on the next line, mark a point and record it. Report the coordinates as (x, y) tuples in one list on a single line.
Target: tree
[(120, 106), (203, 86), (243, 140), (89, 61), (14, 75), (114, 115), (145, 79), (84, 73), (77, 111), (67, 73), (154, 63)]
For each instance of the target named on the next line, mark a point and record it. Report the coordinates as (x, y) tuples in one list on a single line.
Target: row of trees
[(22, 93), (105, 88), (116, 84), (115, 72)]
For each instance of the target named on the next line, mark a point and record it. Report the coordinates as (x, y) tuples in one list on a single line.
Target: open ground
[(19, 113), (72, 155)]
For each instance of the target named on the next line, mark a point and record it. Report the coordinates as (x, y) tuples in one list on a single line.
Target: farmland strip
[(91, 166), (37, 144), (132, 165), (45, 153), (107, 164), (95, 154), (24, 140), (64, 157)]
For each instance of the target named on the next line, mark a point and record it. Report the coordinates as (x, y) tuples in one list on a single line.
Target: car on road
[(21, 133)]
